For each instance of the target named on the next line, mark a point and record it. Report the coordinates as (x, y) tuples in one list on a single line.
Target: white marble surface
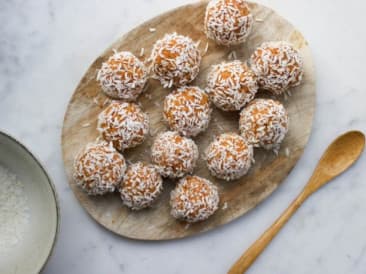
[(46, 46)]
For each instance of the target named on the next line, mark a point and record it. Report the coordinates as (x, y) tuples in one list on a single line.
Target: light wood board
[(237, 197)]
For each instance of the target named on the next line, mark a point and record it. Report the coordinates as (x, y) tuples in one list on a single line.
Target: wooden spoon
[(339, 156)]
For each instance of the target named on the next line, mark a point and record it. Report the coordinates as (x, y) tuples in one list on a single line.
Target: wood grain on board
[(237, 197)]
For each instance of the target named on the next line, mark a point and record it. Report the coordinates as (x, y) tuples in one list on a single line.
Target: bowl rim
[(54, 192)]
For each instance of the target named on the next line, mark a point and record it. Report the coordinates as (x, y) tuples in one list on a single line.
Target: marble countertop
[(47, 45)]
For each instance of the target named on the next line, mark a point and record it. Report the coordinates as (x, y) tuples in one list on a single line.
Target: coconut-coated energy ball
[(264, 123), (278, 65), (194, 199), (228, 22), (98, 168), (174, 155), (175, 60), (231, 85), (141, 186), (187, 110), (229, 156), (123, 76), (124, 124)]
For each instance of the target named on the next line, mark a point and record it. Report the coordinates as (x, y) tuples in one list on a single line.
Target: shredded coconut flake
[(205, 50), (232, 55), (142, 52), (85, 125), (14, 210), (106, 102), (148, 95), (152, 29), (95, 101)]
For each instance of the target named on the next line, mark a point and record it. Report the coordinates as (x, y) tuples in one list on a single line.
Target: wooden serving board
[(237, 197)]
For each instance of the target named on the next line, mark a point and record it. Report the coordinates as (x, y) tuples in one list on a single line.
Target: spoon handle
[(251, 254)]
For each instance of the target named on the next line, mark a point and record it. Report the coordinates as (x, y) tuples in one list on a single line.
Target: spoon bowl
[(337, 158)]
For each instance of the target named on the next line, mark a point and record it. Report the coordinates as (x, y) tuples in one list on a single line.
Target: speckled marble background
[(47, 45)]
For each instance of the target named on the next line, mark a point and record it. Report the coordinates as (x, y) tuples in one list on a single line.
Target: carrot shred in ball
[(187, 110), (194, 199)]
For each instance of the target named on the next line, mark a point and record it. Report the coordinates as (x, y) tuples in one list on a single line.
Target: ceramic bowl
[(31, 253)]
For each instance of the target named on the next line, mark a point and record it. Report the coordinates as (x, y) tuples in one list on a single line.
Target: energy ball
[(175, 60), (194, 199), (229, 156), (278, 65), (99, 168), (264, 123), (231, 85), (228, 22), (124, 124), (123, 76), (173, 154), (141, 186), (187, 110)]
